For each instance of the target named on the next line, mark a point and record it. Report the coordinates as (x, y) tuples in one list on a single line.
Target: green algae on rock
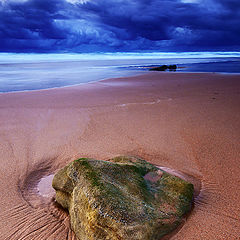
[(123, 198)]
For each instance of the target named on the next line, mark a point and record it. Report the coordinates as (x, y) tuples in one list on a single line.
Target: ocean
[(25, 72)]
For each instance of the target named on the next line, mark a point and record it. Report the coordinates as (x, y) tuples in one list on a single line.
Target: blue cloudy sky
[(119, 25)]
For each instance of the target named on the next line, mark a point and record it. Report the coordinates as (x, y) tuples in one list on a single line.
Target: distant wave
[(31, 57)]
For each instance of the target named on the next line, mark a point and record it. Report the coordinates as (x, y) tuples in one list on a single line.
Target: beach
[(189, 122)]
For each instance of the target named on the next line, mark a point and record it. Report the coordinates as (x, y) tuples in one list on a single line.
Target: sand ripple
[(37, 216)]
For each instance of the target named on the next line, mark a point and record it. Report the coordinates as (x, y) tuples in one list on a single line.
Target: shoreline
[(105, 79), (128, 76), (70, 86), (188, 122)]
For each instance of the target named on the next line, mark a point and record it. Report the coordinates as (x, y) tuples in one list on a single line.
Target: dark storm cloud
[(119, 25)]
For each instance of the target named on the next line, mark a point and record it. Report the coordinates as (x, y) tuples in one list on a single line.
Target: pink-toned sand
[(186, 122)]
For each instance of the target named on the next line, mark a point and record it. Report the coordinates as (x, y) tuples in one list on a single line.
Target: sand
[(186, 122)]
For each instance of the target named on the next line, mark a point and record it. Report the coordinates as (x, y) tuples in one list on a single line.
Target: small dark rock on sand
[(164, 68)]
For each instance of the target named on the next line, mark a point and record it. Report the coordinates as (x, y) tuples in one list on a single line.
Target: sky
[(85, 26)]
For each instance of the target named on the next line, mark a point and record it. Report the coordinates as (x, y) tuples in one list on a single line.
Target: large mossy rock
[(124, 198)]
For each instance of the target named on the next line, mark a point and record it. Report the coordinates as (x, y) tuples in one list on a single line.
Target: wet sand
[(189, 122)]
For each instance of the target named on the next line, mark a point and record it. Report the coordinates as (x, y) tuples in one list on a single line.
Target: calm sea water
[(21, 72)]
